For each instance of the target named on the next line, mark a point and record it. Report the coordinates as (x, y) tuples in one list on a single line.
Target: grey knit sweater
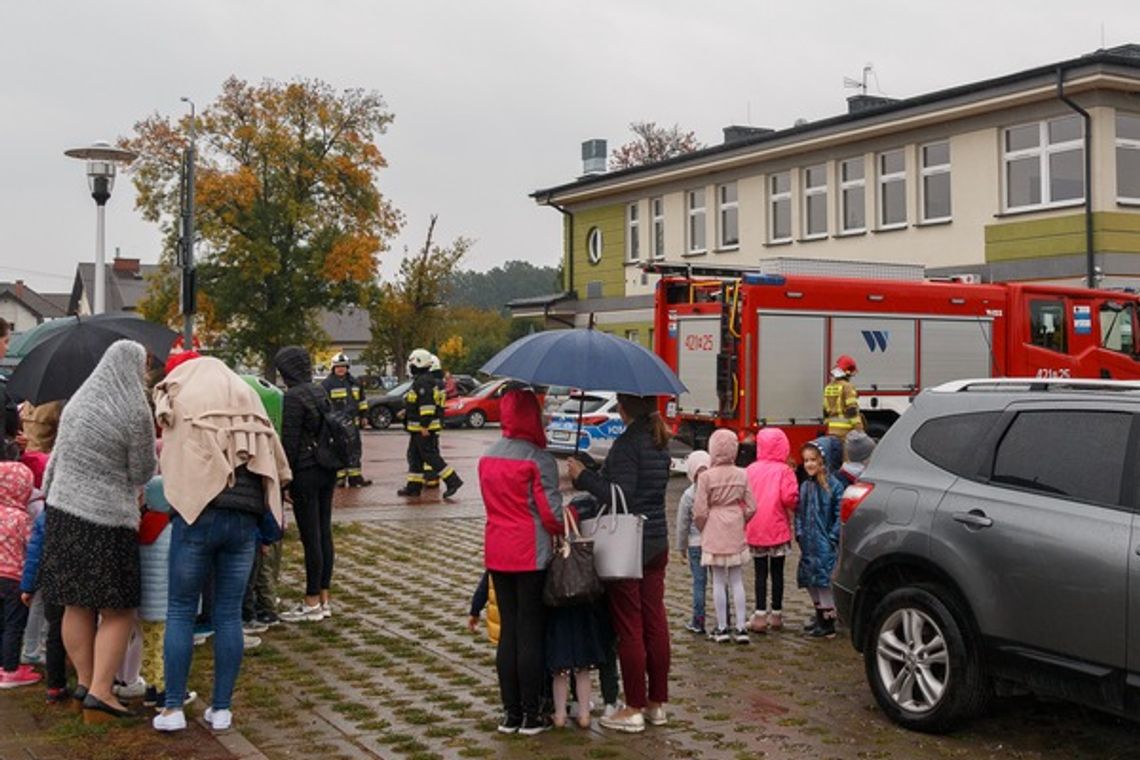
[(105, 447)]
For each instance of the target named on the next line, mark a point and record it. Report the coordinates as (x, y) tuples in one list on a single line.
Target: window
[(780, 207), (892, 189), (697, 221), (632, 234), (651, 346), (729, 216), (1044, 163), (631, 335), (1117, 322), (1128, 157), (594, 245), (815, 201), (1047, 324), (935, 182), (1076, 454), (952, 442), (853, 194), (657, 209)]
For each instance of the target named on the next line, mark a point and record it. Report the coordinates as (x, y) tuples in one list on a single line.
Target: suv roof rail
[(1037, 385)]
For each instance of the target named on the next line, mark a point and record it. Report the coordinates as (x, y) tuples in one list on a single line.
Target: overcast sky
[(491, 98)]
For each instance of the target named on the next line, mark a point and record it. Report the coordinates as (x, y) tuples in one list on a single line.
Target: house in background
[(987, 178), (24, 308)]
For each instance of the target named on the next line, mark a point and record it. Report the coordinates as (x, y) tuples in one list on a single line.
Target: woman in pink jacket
[(722, 507), (773, 485)]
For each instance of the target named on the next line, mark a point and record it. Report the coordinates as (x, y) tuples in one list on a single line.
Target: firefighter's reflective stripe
[(426, 409), (339, 393), (415, 477), (447, 472)]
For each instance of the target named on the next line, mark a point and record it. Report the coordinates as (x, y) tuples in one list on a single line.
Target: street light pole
[(189, 290), (101, 160)]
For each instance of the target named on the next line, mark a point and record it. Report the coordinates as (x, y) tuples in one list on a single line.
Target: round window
[(594, 245)]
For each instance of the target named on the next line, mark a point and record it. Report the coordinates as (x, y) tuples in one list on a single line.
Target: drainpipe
[(569, 245), (1090, 259)]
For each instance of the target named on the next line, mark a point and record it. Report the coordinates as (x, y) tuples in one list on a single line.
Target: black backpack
[(334, 439)]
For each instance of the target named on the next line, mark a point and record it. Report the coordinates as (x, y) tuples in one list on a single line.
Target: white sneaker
[(303, 613), (656, 715), (326, 609), (130, 691), (219, 720), (633, 723), (250, 642), (175, 721), (612, 708)]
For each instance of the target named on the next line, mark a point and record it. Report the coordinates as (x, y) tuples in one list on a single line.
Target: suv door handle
[(975, 518)]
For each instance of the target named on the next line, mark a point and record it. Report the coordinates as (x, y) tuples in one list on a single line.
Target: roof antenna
[(850, 83)]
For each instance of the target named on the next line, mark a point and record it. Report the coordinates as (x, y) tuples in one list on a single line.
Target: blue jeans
[(223, 541), (700, 579)]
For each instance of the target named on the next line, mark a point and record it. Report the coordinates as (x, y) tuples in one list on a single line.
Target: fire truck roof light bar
[(1036, 384)]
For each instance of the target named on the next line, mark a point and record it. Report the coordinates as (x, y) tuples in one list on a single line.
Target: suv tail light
[(852, 498)]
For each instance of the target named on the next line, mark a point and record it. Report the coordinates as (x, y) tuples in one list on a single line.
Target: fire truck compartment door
[(882, 347), (698, 343), (791, 367), (955, 349)]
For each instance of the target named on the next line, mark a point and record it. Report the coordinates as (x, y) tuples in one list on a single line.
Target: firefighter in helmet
[(349, 403), (431, 477), (423, 415), (841, 401)]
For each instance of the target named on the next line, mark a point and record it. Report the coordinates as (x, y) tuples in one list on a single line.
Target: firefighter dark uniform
[(431, 477), (841, 400), (423, 421), (348, 402)]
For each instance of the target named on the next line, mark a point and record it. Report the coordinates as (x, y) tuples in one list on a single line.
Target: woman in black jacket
[(639, 464), (312, 487)]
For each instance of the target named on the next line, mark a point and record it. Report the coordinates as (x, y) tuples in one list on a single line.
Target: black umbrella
[(61, 362)]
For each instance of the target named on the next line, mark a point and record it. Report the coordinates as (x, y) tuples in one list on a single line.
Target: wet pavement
[(396, 674)]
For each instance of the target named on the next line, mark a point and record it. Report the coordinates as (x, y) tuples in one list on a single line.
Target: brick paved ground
[(395, 674)]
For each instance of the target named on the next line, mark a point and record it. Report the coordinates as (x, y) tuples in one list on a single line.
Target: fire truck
[(754, 348)]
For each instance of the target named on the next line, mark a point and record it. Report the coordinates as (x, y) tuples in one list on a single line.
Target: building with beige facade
[(1030, 176)]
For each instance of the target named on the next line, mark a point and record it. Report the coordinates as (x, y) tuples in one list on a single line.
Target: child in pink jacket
[(722, 507), (773, 485)]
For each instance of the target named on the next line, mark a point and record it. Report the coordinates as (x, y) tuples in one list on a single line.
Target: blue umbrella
[(587, 360)]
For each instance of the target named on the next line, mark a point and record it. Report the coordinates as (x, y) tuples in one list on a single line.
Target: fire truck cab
[(754, 349)]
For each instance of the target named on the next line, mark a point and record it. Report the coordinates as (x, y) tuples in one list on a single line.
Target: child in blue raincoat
[(817, 533)]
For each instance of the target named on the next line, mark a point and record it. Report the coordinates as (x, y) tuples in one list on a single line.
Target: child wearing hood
[(722, 506), (15, 529), (689, 540), (769, 532), (817, 533)]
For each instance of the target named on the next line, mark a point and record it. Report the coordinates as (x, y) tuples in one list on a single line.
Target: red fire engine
[(755, 349)]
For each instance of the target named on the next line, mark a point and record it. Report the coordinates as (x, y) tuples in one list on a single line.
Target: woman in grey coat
[(103, 454)]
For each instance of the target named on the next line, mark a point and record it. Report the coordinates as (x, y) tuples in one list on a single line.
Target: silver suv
[(993, 542)]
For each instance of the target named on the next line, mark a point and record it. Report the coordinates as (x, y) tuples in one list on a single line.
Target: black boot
[(825, 627), (408, 490), (453, 484), (358, 481)]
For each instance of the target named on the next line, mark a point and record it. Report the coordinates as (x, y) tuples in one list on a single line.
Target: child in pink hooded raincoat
[(722, 507), (769, 532)]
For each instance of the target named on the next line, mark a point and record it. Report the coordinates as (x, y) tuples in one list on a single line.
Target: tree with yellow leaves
[(289, 216)]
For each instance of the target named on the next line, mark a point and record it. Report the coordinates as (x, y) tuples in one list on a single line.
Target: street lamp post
[(101, 158)]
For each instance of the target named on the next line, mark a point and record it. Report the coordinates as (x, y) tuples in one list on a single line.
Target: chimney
[(125, 266), (736, 133), (863, 102), (593, 158), (20, 289)]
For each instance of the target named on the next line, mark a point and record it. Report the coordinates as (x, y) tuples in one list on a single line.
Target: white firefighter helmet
[(419, 359), (435, 364), (340, 360)]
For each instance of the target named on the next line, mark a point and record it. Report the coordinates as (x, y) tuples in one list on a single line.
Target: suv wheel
[(920, 662), (380, 417), (476, 419)]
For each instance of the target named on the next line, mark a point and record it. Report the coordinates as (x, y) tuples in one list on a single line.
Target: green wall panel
[(610, 271), (1118, 232)]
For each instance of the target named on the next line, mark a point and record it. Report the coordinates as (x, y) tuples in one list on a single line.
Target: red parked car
[(477, 408)]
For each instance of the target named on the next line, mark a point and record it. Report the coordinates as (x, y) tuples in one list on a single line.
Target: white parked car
[(601, 424)]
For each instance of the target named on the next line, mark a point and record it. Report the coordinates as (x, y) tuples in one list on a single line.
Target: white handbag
[(617, 539)]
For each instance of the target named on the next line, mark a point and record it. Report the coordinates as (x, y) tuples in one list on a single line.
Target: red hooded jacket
[(519, 482)]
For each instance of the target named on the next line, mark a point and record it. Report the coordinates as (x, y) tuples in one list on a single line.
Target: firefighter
[(431, 477), (348, 403), (422, 419), (841, 401)]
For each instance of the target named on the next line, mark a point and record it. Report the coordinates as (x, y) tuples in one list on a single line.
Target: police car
[(601, 424)]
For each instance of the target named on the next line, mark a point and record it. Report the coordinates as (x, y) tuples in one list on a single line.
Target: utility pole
[(188, 291)]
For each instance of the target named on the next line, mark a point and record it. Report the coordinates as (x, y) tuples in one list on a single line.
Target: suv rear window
[(951, 442), (1071, 454)]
